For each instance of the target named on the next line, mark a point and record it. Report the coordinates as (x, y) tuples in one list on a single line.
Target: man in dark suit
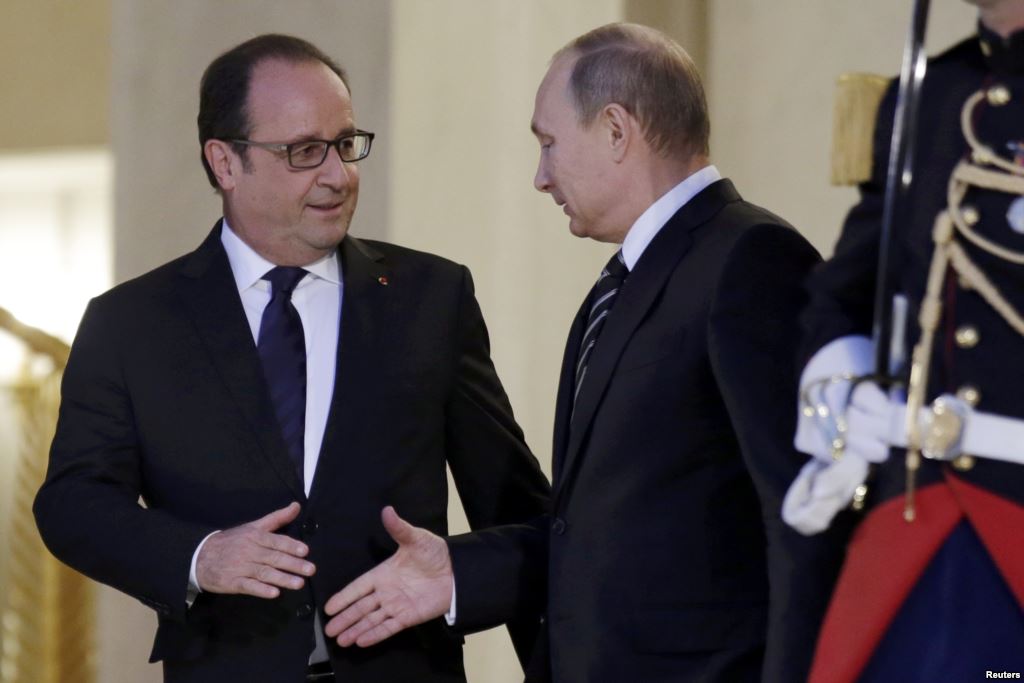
[(284, 372), (664, 555)]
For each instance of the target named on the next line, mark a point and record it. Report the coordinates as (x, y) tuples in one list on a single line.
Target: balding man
[(664, 555)]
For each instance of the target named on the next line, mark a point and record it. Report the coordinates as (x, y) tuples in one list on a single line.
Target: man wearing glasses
[(266, 395)]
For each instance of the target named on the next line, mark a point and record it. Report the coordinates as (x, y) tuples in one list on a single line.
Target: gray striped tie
[(601, 300)]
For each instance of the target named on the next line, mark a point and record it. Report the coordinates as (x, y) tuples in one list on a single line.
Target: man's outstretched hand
[(412, 586)]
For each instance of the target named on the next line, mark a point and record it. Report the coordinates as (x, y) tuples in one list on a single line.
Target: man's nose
[(541, 181), (334, 172)]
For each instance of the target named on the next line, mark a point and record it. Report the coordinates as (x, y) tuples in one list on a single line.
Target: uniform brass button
[(963, 463), (983, 155), (304, 611), (860, 495), (967, 336), (969, 394), (986, 49), (970, 215), (998, 95)]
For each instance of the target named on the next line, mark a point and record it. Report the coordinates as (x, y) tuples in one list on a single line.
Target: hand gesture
[(252, 560), (412, 586)]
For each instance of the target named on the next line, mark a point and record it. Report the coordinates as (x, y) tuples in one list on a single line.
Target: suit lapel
[(366, 308), (563, 403), (635, 298), (211, 297)]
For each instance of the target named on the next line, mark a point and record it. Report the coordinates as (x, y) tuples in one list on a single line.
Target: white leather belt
[(950, 427)]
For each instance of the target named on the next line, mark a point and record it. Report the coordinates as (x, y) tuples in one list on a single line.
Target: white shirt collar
[(248, 267), (657, 214)]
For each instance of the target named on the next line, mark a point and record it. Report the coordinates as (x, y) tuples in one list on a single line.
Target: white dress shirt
[(657, 214), (318, 299)]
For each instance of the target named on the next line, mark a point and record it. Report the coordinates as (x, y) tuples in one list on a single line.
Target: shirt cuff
[(450, 616), (193, 583)]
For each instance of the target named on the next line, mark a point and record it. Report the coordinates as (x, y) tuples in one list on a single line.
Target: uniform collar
[(1003, 55)]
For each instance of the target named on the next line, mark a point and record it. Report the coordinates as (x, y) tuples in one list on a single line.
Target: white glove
[(868, 426), (874, 424), (850, 356), (820, 491)]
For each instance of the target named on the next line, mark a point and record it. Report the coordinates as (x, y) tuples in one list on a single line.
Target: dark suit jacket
[(668, 477), (164, 398)]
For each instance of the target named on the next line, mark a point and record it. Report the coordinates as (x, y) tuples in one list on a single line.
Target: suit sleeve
[(752, 337), (501, 485), (88, 510)]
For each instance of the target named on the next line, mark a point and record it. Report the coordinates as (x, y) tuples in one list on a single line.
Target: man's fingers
[(284, 561), (356, 590), (368, 623), (278, 518), (247, 586), (375, 635), (400, 530), (351, 614), (281, 543), (275, 577)]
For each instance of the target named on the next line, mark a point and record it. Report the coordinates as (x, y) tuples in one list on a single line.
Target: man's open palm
[(412, 586)]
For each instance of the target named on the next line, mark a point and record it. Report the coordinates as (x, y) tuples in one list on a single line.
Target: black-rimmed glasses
[(307, 154)]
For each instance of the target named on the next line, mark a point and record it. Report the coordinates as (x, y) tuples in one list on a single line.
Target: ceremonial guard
[(930, 466)]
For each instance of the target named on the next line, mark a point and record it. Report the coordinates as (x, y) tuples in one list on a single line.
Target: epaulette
[(858, 96)]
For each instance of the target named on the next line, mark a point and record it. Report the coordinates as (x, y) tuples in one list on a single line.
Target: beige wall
[(462, 159), (771, 73), (55, 78), (684, 20)]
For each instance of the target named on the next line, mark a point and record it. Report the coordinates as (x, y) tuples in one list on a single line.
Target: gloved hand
[(868, 426)]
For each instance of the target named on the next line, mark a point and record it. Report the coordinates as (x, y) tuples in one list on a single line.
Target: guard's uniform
[(938, 599)]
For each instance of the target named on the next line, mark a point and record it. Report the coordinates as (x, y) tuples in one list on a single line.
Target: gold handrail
[(47, 610), (36, 339)]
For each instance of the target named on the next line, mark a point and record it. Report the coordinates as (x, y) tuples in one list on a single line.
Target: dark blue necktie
[(602, 298), (282, 348)]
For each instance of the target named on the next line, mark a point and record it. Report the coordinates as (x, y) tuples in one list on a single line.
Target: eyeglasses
[(308, 154)]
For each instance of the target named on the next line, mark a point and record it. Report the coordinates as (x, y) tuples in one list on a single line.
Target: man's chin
[(578, 229)]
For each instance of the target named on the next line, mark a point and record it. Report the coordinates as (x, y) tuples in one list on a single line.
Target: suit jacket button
[(558, 526), (309, 527), (304, 611)]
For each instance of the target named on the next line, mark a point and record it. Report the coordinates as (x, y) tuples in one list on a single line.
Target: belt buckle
[(944, 427)]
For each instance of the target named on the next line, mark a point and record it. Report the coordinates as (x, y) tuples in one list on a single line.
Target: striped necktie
[(282, 348), (602, 297)]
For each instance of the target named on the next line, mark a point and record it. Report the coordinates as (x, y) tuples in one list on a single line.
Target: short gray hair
[(648, 74)]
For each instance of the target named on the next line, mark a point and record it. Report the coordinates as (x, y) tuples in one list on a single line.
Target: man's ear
[(225, 163), (621, 129)]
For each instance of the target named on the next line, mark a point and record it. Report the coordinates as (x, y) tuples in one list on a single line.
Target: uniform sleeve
[(841, 291)]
